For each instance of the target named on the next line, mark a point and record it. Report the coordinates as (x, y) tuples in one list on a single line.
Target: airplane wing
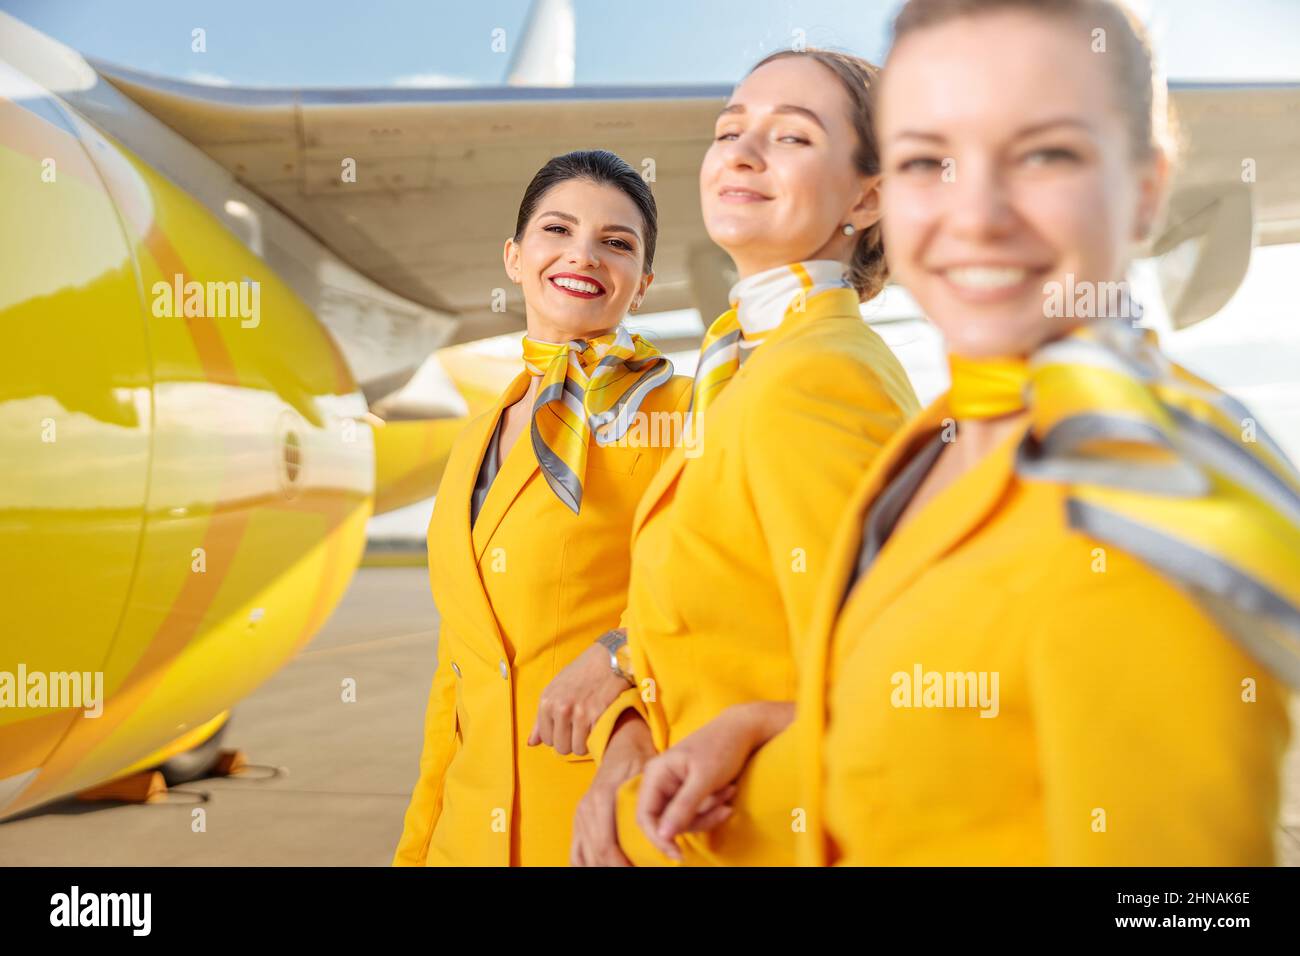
[(1237, 185), (439, 173)]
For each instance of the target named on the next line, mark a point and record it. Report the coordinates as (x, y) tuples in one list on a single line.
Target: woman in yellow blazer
[(1058, 609), (528, 553), (729, 543)]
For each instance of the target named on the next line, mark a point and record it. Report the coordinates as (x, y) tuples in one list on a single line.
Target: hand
[(573, 702), (595, 828), (688, 787)]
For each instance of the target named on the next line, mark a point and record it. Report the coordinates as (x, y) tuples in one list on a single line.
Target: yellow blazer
[(728, 547), (519, 597), (1129, 729)]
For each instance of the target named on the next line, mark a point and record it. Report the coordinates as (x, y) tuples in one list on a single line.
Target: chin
[(730, 232), (995, 336)]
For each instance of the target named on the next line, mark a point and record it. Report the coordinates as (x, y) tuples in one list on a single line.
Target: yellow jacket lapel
[(944, 521)]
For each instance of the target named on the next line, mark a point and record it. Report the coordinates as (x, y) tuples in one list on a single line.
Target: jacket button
[(455, 668), (505, 671)]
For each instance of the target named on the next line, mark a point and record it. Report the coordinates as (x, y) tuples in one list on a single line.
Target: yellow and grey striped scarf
[(759, 304), (1163, 465), (589, 387)]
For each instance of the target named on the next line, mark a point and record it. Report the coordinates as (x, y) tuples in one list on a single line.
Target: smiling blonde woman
[(528, 543), (796, 395)]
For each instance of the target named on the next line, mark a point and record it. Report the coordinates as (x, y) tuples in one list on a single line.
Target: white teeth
[(986, 277), (577, 285)]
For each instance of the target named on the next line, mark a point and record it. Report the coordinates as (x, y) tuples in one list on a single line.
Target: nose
[(743, 153), (583, 253), (979, 205)]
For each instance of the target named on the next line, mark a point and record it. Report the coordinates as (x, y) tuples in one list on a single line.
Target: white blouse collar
[(761, 300)]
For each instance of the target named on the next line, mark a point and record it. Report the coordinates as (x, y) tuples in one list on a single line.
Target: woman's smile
[(983, 283), (580, 286), (740, 194)]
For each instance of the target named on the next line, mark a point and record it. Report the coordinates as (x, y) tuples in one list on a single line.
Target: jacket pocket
[(460, 717)]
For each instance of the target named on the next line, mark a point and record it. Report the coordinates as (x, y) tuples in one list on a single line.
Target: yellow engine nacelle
[(187, 468)]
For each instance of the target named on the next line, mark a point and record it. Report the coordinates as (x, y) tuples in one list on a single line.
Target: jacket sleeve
[(808, 437), (1160, 740), (439, 746), (603, 728)]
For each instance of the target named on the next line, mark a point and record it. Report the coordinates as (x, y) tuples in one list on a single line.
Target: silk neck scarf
[(759, 305), (987, 388), (1163, 465), (589, 388)]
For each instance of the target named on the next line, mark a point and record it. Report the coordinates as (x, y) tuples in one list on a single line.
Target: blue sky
[(382, 42)]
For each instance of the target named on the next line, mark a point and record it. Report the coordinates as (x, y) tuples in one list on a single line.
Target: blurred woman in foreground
[(1065, 599)]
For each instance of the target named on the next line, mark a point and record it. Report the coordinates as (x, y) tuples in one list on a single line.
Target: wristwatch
[(620, 658)]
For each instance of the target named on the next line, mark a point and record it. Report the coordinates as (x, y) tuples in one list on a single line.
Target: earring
[(848, 229)]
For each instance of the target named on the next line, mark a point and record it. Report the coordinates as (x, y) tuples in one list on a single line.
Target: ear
[(1153, 190), (642, 286), (866, 212), (510, 256)]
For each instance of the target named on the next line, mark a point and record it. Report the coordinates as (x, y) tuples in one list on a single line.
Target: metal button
[(455, 668), (504, 669)]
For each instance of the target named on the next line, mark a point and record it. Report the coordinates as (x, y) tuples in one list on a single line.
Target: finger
[(607, 827), (533, 737), (561, 733), (717, 798), (683, 807), (578, 850), (659, 782), (707, 821), (579, 733), (543, 726)]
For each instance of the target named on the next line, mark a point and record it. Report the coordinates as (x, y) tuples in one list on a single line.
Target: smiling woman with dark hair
[(528, 544)]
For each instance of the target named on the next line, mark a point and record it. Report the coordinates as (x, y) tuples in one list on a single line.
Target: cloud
[(432, 80)]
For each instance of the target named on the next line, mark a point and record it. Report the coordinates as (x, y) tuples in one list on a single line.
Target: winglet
[(544, 55)]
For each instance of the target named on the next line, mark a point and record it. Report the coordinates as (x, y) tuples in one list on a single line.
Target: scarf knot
[(590, 388)]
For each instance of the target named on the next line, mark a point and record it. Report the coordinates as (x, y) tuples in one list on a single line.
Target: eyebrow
[(783, 108), (1030, 130), (613, 227)]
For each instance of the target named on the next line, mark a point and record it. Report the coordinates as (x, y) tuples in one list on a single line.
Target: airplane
[(234, 325)]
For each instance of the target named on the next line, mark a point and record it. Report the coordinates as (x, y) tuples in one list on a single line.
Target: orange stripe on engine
[(213, 355), (221, 542)]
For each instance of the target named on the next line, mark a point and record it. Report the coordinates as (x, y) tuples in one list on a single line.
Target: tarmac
[(329, 780)]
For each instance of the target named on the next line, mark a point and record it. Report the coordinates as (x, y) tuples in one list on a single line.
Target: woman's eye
[(621, 244), (553, 227), (792, 138), (724, 137), (1055, 154), (920, 164)]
